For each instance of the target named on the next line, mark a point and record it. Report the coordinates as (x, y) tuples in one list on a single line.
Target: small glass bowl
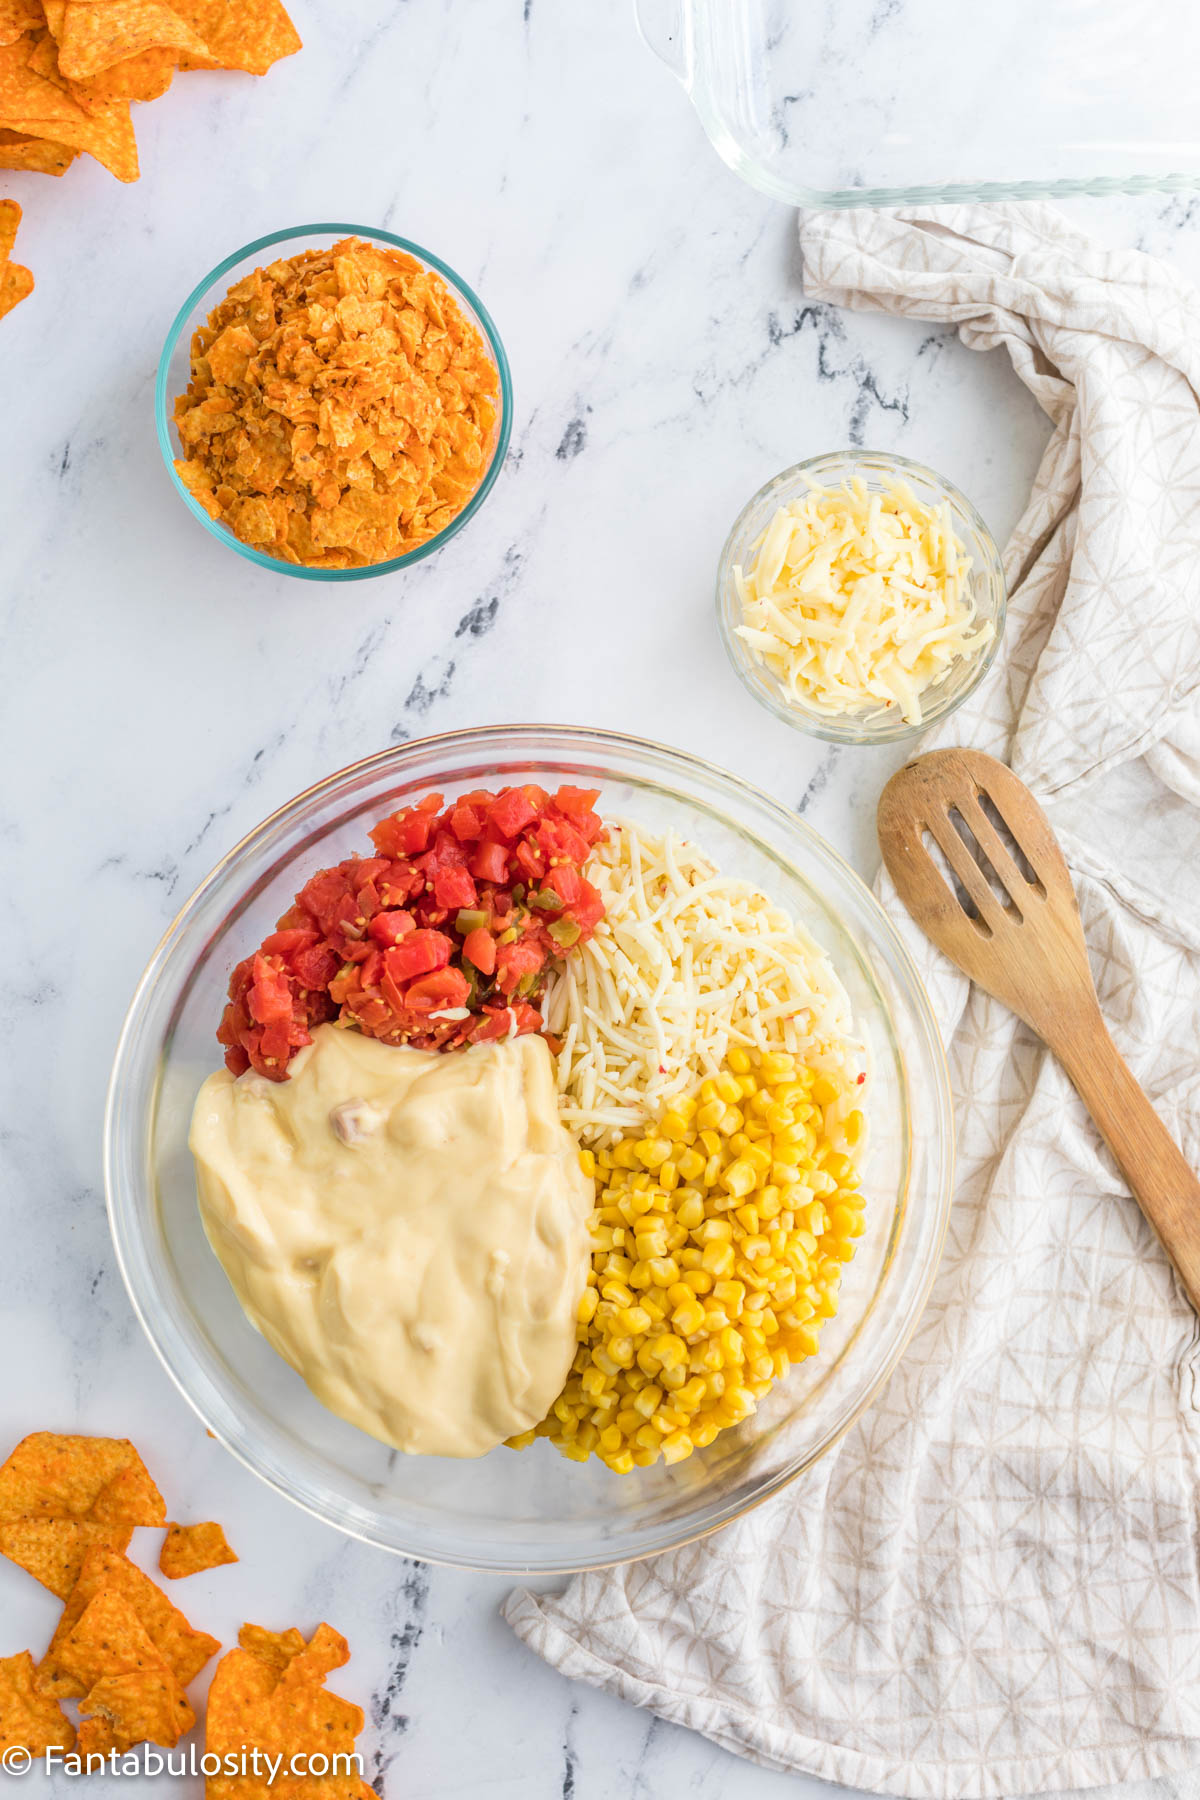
[(876, 469), (532, 1511), (175, 363)]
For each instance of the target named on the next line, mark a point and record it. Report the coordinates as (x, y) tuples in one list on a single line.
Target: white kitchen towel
[(992, 1586)]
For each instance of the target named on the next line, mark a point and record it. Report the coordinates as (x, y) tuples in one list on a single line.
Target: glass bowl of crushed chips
[(860, 597), (333, 402), (527, 1509)]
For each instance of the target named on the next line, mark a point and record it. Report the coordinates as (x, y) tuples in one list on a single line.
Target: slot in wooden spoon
[(1016, 931)]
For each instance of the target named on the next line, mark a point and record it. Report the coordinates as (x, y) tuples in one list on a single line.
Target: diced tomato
[(453, 888), (512, 810), (416, 954), (490, 863), (514, 961), (270, 996), (315, 967), (294, 937), (479, 948), (388, 943), (437, 992), (390, 927), (466, 821), (566, 882), (407, 832), (530, 861), (587, 911), (558, 840)]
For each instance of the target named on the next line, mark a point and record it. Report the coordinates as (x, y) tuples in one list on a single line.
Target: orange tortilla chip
[(37, 103), (16, 284), (29, 1720), (325, 1651), (10, 218), (275, 1648), (109, 1639), (17, 17), (130, 1498), (190, 1549), (41, 156), (144, 77), (49, 1476), (184, 1649), (249, 35), (95, 34), (54, 1551), (270, 1695), (127, 1709)]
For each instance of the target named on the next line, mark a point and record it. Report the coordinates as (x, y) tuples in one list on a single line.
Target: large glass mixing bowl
[(533, 1510)]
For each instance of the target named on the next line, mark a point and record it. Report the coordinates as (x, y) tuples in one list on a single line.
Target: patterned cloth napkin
[(992, 1586)]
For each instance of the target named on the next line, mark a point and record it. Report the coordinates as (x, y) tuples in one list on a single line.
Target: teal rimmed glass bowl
[(174, 370)]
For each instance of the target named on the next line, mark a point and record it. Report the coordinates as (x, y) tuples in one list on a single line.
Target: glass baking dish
[(882, 102)]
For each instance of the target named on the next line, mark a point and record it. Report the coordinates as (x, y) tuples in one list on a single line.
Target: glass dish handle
[(663, 28)]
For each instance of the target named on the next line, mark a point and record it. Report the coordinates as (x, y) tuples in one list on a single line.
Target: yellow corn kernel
[(691, 1163), (710, 1115), (588, 1302), (699, 1280), (740, 1177), (710, 1142), (718, 1258), (587, 1163), (677, 1446), (688, 1318), (674, 1126), (824, 1091)]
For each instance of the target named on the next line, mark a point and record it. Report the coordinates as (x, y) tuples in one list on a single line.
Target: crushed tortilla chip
[(184, 1649), (269, 1695), (342, 409), (53, 1551), (190, 1549), (29, 1720)]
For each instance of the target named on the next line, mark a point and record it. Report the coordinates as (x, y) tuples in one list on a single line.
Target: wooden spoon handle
[(1163, 1185)]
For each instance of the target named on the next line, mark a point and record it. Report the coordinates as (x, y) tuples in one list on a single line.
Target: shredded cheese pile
[(685, 966), (859, 601)]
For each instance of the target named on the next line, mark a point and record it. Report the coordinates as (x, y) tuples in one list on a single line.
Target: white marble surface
[(161, 696)]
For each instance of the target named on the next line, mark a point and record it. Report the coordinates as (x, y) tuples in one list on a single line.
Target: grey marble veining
[(162, 696)]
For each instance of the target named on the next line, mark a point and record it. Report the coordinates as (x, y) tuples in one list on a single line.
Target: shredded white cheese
[(685, 965), (859, 601)]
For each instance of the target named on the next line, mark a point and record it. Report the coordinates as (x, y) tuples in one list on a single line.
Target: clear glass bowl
[(533, 1510), (875, 469), (870, 104), (174, 371)]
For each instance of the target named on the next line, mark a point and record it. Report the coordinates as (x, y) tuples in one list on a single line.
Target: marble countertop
[(162, 696)]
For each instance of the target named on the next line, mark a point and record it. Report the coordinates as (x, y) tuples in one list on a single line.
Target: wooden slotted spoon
[(1028, 950)]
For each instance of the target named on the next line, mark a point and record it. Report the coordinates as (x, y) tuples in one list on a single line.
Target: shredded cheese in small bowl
[(861, 597)]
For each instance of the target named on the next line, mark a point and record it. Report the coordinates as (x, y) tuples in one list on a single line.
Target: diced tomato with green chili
[(462, 910)]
